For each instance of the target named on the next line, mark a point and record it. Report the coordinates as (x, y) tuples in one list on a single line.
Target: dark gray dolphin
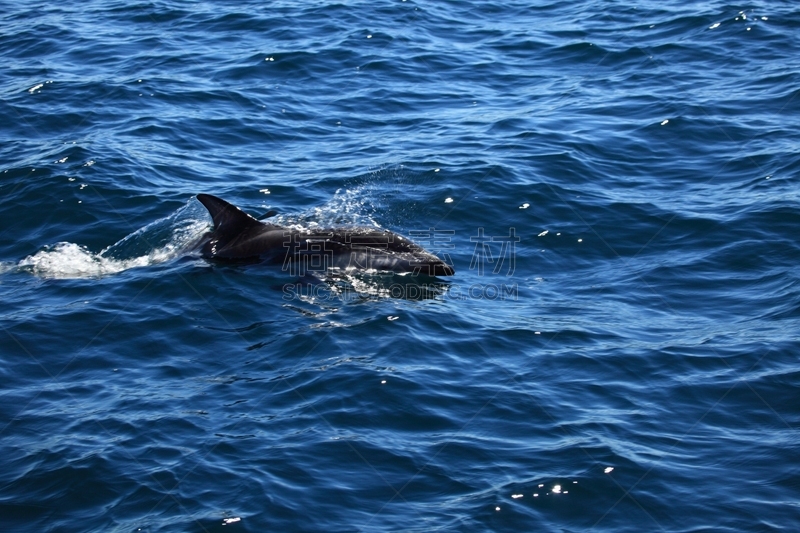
[(239, 237)]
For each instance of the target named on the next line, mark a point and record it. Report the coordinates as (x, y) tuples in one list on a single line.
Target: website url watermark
[(322, 292)]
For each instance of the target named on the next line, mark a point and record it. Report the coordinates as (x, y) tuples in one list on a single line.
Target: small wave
[(6, 266)]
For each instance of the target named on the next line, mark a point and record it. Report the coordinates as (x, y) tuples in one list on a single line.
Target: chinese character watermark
[(482, 254), (305, 255), (382, 252), (436, 241)]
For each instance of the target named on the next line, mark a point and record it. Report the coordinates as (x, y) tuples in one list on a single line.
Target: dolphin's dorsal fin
[(227, 217)]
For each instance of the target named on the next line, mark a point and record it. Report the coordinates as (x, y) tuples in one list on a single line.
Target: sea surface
[(617, 184)]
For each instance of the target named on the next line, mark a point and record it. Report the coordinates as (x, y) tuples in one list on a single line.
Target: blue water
[(616, 184)]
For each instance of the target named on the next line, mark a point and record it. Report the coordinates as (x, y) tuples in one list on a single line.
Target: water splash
[(160, 241), (347, 207)]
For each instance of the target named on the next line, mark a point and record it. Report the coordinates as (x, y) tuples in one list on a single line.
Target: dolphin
[(238, 237)]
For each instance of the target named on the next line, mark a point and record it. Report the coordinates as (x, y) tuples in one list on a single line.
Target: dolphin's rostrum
[(241, 238)]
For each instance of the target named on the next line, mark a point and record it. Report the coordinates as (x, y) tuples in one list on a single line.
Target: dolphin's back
[(239, 237)]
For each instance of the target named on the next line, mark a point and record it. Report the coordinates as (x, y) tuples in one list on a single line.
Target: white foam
[(70, 260), (159, 241)]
